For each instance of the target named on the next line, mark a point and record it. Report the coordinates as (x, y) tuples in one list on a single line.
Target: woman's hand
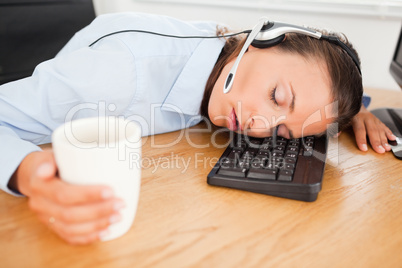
[(366, 124), (78, 214)]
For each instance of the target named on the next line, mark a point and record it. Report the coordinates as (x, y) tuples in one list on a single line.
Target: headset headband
[(268, 33)]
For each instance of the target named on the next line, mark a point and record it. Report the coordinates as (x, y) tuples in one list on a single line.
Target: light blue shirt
[(157, 81)]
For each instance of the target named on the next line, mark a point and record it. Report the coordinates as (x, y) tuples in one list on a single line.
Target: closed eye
[(272, 96)]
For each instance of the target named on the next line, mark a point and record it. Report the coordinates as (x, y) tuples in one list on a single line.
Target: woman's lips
[(233, 123)]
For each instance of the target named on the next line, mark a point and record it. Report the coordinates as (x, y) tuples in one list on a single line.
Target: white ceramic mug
[(106, 151)]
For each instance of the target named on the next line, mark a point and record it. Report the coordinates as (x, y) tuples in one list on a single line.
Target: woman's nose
[(259, 126)]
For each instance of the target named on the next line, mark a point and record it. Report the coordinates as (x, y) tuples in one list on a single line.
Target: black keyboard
[(290, 168)]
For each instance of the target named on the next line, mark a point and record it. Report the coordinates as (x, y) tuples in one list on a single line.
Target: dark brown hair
[(345, 78)]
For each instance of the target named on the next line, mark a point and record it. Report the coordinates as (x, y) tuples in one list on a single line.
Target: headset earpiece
[(268, 43)]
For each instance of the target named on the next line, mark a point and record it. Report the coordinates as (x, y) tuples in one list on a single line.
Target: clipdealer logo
[(149, 126), (172, 161)]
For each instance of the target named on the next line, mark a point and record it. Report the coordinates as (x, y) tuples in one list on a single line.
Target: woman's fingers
[(45, 183), (376, 139), (390, 135), (360, 133), (82, 232), (79, 214), (67, 233), (366, 124), (378, 134), (81, 223)]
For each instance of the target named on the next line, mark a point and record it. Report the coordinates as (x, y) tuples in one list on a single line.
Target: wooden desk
[(183, 222)]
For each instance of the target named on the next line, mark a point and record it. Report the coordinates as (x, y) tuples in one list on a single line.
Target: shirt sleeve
[(13, 151), (81, 83)]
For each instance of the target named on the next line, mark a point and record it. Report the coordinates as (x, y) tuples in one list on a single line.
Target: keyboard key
[(277, 154), (277, 160), (293, 149), (290, 160), (279, 165), (238, 143), (269, 165), (266, 146), (295, 144), (248, 154), (256, 164), (279, 148), (289, 166), (232, 171), (254, 143), (264, 153), (291, 155), (308, 145), (262, 174), (285, 175), (226, 161), (235, 154), (245, 164), (280, 143), (240, 147), (308, 151)]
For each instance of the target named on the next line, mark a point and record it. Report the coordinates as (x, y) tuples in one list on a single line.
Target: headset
[(263, 35), (269, 33)]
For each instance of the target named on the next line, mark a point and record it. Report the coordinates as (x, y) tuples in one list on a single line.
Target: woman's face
[(273, 88)]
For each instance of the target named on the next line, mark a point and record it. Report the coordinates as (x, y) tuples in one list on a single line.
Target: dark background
[(32, 31)]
